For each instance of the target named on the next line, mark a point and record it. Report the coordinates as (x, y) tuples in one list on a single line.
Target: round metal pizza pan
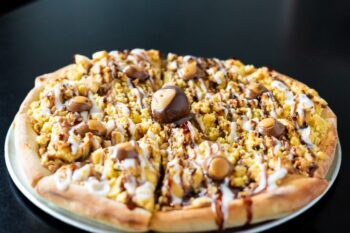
[(11, 158)]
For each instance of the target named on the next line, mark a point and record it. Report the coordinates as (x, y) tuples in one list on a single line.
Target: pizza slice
[(244, 156), (77, 125)]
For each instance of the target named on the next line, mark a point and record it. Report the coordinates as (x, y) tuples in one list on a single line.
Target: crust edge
[(294, 193), (76, 199)]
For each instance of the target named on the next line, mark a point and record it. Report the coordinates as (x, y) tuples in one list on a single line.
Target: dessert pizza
[(180, 143)]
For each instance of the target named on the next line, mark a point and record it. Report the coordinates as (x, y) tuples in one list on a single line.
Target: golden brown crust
[(25, 136), (27, 149), (201, 219), (294, 193), (77, 199), (328, 145)]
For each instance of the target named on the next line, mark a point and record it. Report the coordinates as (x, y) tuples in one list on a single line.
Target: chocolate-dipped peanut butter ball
[(170, 104)]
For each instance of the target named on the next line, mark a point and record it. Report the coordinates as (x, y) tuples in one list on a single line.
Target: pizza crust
[(25, 135), (294, 193), (78, 200), (328, 145)]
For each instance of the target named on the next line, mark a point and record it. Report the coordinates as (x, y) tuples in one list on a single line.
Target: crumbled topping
[(96, 127)]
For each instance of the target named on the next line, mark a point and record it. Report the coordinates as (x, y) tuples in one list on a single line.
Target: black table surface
[(308, 40)]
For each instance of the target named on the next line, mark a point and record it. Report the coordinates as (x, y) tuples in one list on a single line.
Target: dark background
[(308, 40)]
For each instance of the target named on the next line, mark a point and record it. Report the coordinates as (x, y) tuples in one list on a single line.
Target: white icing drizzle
[(144, 148), (289, 97), (262, 174), (305, 135), (45, 109), (272, 102), (73, 140), (249, 113), (115, 54), (192, 132), (303, 104), (63, 178), (247, 125), (144, 191), (82, 173), (137, 93), (200, 123), (96, 187), (84, 115), (233, 133), (279, 85), (197, 89), (110, 125), (130, 185), (172, 65), (96, 68), (121, 130), (215, 148), (227, 197), (280, 173), (217, 77), (221, 65), (57, 92), (95, 111), (187, 58), (128, 163), (208, 149), (176, 179), (277, 146), (131, 128), (124, 108), (139, 52), (290, 156), (202, 84)]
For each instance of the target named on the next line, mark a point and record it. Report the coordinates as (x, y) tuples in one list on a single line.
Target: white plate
[(11, 158)]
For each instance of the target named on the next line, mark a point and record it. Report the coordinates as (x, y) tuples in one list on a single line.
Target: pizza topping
[(191, 70), (262, 174), (126, 151), (279, 174), (289, 96), (83, 61), (96, 187), (58, 97), (79, 104), (254, 90), (81, 129), (63, 177), (230, 124), (227, 197), (134, 72), (96, 127), (81, 174), (74, 141), (271, 127), (170, 104), (218, 168), (305, 135)]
